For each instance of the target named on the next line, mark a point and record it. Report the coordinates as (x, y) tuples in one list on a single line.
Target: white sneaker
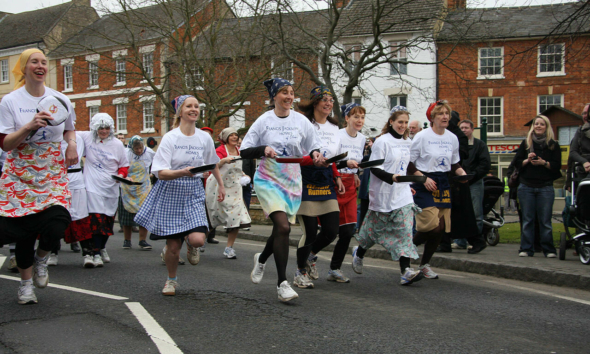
[(97, 261), (523, 254), (410, 276), (258, 270), (40, 272), (285, 292), (428, 272), (311, 268), (551, 255), (163, 257), (52, 261), (170, 288), (201, 249), (105, 256), (88, 262), (12, 264), (357, 262), (337, 276), (302, 280), (192, 253), (229, 253), (26, 293)]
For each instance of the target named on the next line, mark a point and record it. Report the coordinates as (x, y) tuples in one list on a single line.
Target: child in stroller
[(493, 188), (579, 214)]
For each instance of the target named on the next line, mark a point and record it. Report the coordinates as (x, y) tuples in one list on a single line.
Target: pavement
[(501, 260)]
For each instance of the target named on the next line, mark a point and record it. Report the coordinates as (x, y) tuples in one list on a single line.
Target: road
[(219, 310)]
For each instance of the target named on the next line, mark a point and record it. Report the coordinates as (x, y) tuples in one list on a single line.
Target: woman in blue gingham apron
[(175, 208)]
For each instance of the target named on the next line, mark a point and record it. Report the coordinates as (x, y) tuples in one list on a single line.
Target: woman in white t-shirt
[(279, 132), (389, 220), (34, 194), (434, 153), (105, 157), (175, 208)]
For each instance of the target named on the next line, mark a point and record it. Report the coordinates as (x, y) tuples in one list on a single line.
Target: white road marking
[(163, 341), (542, 292), (76, 290)]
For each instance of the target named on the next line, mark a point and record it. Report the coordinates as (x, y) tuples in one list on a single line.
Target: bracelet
[(73, 141)]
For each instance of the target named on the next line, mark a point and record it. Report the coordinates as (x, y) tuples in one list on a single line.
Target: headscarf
[(19, 68), (133, 140), (348, 107), (178, 101), (320, 91), (431, 107), (102, 120), (397, 109), (274, 85), (225, 133)]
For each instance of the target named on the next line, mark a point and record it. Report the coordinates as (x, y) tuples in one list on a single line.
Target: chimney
[(342, 3), (456, 4), (82, 2)]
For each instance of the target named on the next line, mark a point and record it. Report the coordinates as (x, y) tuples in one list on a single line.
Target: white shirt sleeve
[(252, 138), (311, 140), (163, 157), (7, 119), (416, 149)]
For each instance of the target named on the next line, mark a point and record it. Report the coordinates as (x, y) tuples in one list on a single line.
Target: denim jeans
[(477, 202), (539, 202)]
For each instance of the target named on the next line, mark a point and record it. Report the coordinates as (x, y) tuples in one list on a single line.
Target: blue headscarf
[(348, 107), (397, 109), (274, 85), (320, 90), (178, 101)]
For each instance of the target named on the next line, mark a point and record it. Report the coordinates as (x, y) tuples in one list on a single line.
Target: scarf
[(19, 68), (541, 140)]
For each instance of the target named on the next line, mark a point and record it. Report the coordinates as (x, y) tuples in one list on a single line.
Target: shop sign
[(503, 149)]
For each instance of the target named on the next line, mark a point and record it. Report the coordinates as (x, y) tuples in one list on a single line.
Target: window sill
[(68, 90), (121, 132), (4, 82), (550, 74), (148, 131), (123, 83), (93, 88), (491, 77), (143, 82)]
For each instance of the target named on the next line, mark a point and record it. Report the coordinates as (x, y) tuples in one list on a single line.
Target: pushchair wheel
[(493, 237), (584, 252), (562, 246)]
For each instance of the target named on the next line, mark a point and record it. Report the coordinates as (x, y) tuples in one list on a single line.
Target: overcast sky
[(28, 5)]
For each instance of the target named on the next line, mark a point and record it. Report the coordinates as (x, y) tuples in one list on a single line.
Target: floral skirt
[(78, 230), (101, 224), (391, 230)]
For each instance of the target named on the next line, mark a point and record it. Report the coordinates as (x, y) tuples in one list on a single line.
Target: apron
[(318, 183), (134, 196), (440, 198)]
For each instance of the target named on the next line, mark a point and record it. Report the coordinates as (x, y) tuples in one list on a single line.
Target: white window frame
[(539, 101), (238, 119), (400, 54), (398, 100), (121, 118), (91, 109), (195, 72), (68, 78), (120, 69), (147, 61), (490, 76), (148, 100), (550, 73), (92, 75), (354, 55), (4, 71), (280, 70), (479, 116)]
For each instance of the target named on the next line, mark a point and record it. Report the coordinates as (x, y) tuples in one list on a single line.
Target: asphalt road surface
[(217, 309)]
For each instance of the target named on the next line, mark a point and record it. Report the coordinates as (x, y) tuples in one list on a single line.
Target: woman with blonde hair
[(539, 162), (175, 208)]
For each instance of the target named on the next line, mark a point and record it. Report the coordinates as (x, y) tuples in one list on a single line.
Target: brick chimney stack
[(82, 2), (341, 3), (456, 4)]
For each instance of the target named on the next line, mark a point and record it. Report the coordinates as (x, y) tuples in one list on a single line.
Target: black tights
[(278, 244), (311, 237), (404, 262), (100, 242), (431, 239), (87, 247), (345, 233)]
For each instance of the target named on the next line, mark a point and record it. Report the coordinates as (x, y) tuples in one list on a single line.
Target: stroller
[(493, 188), (579, 216)]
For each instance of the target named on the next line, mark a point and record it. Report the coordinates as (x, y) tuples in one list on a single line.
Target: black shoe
[(212, 241), (477, 248), (444, 249), (75, 247)]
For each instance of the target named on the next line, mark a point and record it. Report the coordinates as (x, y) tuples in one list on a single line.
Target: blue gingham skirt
[(173, 207)]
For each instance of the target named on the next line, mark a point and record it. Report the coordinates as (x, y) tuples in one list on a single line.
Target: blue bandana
[(397, 109), (320, 90), (348, 107), (178, 101), (274, 85)]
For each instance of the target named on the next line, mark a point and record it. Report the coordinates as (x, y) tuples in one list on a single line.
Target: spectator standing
[(414, 128)]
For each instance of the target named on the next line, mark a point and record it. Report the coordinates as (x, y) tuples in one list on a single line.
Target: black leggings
[(345, 233), (100, 242), (87, 247), (311, 238), (278, 244), (404, 262)]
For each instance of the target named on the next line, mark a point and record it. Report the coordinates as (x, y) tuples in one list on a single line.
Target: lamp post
[(483, 132)]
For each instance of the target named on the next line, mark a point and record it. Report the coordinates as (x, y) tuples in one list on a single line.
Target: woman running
[(231, 212), (389, 220), (175, 208), (279, 132), (434, 152), (352, 141), (34, 194)]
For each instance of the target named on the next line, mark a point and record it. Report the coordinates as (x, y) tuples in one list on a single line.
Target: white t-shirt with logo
[(290, 136), (103, 159), (329, 137), (178, 151), (355, 147), (434, 153), (76, 179), (386, 197), (19, 108)]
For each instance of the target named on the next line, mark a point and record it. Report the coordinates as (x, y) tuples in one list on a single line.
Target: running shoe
[(88, 261), (310, 267), (126, 244), (258, 270), (12, 264), (170, 288), (40, 272), (302, 280), (105, 256), (337, 276), (52, 260), (428, 272), (410, 276), (144, 245), (201, 249), (357, 262), (97, 260), (212, 241), (163, 257), (75, 247), (286, 293), (551, 255), (26, 293), (456, 246), (229, 253), (192, 253)]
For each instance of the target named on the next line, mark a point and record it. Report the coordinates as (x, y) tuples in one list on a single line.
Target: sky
[(28, 5)]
